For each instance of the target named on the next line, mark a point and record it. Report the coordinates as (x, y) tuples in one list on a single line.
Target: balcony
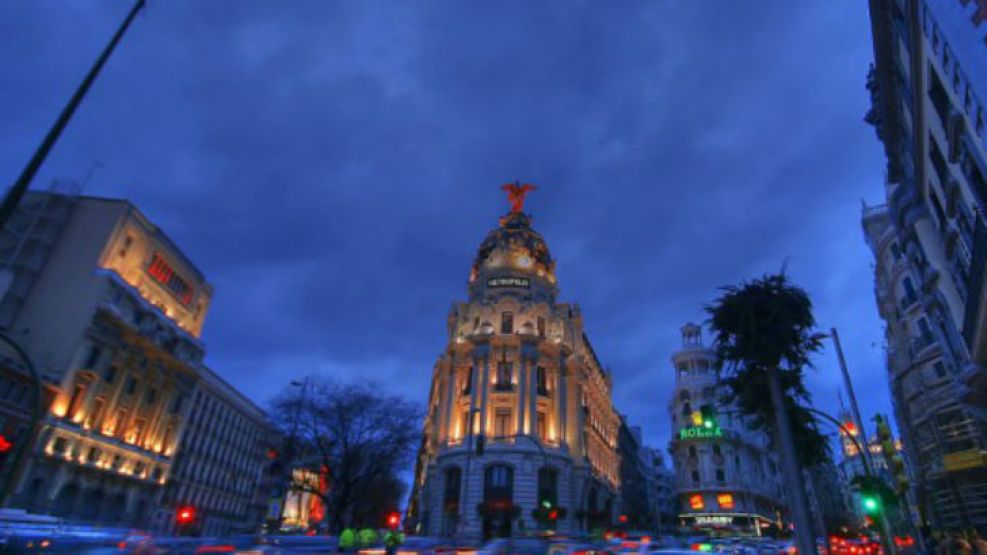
[(907, 302), (920, 345)]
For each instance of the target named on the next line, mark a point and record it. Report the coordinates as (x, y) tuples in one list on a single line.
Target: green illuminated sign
[(700, 432)]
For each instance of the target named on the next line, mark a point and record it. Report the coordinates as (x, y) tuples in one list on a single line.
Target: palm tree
[(763, 336)]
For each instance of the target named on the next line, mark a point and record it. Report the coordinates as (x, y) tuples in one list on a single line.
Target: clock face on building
[(523, 261)]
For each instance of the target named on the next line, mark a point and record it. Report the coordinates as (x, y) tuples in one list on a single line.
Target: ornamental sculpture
[(516, 193)]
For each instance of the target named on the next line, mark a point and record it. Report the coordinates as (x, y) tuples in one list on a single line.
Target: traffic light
[(553, 515), (622, 519), (480, 440), (185, 520), (875, 495), (708, 414), (896, 464), (393, 520), (5, 448), (185, 515), (870, 503)]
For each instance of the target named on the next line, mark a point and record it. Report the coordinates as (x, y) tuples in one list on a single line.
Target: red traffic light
[(4, 444), (185, 515), (553, 515), (393, 519), (622, 518)]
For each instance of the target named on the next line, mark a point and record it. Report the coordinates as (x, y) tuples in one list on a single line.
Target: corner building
[(110, 311), (725, 475), (520, 377)]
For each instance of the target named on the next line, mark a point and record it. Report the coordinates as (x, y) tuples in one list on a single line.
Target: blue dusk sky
[(333, 166)]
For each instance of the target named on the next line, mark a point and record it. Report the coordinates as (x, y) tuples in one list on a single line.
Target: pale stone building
[(520, 377), (223, 463), (110, 311), (929, 96), (727, 480)]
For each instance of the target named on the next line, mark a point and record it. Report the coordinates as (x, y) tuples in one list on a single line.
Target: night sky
[(333, 166)]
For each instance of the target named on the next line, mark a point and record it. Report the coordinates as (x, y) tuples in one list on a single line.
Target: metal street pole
[(799, 503), (17, 190), (848, 385)]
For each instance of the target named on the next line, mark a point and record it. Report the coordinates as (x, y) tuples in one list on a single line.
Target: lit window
[(504, 375), (507, 322), (725, 500), (541, 381), (696, 502), (502, 422), (163, 273)]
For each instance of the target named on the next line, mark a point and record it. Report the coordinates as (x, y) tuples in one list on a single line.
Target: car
[(514, 546), (573, 547), (419, 545)]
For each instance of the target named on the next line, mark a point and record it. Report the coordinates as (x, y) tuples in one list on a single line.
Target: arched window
[(454, 479)]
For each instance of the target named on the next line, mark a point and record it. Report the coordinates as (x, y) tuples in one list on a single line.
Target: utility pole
[(790, 468), (17, 190), (865, 452), (849, 390)]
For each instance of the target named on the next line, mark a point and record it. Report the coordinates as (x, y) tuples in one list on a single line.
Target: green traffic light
[(547, 504), (871, 504)]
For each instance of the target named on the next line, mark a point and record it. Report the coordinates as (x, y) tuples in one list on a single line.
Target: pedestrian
[(942, 543), (959, 545), (979, 544), (392, 539)]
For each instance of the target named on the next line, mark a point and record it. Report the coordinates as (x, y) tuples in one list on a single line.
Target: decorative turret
[(513, 259)]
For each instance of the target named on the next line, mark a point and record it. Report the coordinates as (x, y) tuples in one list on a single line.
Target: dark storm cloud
[(332, 167)]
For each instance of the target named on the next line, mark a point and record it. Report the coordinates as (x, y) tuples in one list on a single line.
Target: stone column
[(532, 392), (485, 391), (560, 403), (474, 378), (522, 392), (450, 402), (580, 422)]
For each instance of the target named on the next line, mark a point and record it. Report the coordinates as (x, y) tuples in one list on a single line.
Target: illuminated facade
[(726, 479), (302, 510), (928, 89), (520, 377), (110, 312)]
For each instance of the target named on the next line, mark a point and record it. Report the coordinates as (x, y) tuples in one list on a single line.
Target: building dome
[(512, 256)]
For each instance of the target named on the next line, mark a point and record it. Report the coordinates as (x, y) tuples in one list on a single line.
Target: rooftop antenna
[(89, 174)]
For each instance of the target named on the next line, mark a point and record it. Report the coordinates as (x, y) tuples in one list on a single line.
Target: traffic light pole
[(10, 477), (848, 385), (869, 471), (865, 453)]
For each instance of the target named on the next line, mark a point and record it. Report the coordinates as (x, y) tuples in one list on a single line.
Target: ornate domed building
[(521, 433)]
